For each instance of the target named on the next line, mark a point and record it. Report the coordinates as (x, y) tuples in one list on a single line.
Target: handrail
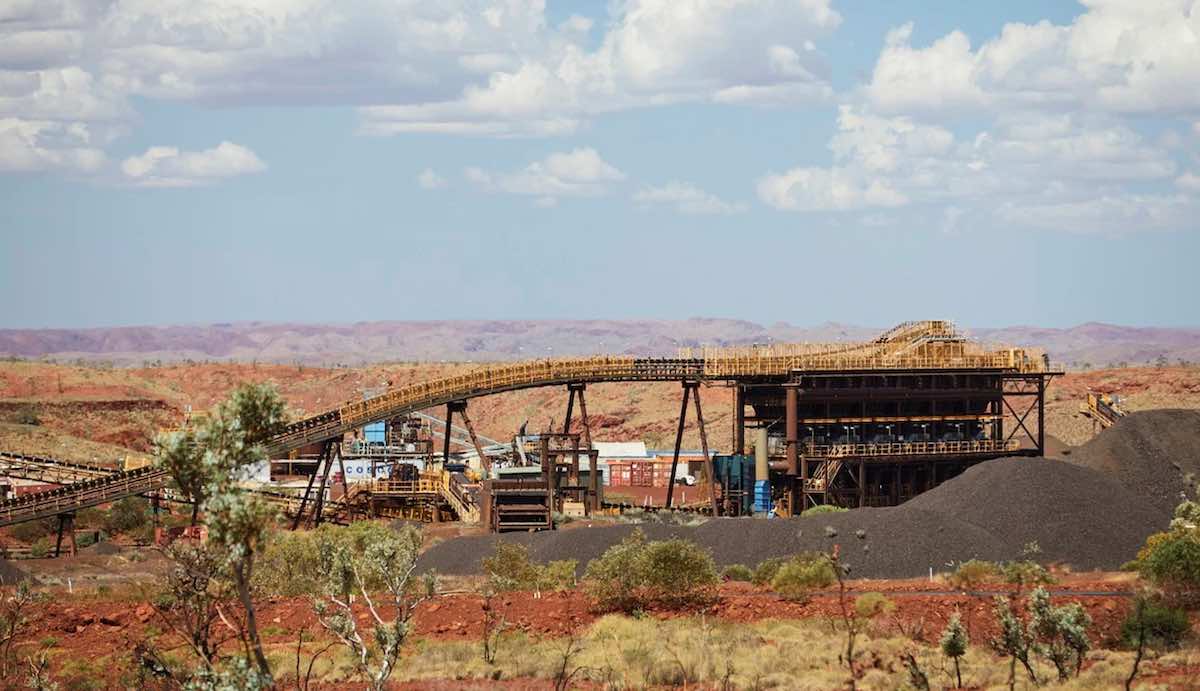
[(922, 448)]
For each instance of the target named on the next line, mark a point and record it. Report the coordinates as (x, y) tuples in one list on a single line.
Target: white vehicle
[(683, 477)]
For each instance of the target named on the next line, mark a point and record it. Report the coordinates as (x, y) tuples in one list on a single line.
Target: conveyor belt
[(87, 485), (913, 345)]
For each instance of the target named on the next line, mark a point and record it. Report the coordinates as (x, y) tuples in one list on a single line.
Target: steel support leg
[(708, 462), (446, 438), (323, 459), (739, 419), (484, 463), (862, 483), (570, 409), (320, 501), (593, 503), (687, 391), (1041, 404)]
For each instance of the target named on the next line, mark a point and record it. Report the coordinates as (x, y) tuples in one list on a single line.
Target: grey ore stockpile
[(1092, 511)]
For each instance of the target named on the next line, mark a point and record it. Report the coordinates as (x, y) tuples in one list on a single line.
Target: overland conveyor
[(49, 470), (921, 345), (91, 486)]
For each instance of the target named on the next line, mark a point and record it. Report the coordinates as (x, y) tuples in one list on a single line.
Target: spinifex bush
[(510, 568), (677, 573), (765, 572), (636, 574), (870, 605), (737, 572), (973, 573), (802, 574)]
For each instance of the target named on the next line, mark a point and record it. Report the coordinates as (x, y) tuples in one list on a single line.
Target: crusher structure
[(875, 424)]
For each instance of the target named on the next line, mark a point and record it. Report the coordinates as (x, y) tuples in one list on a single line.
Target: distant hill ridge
[(367, 342)]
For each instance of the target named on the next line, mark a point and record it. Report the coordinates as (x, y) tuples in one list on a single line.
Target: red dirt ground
[(92, 623)]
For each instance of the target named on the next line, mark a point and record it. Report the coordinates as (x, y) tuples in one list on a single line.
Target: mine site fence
[(922, 448)]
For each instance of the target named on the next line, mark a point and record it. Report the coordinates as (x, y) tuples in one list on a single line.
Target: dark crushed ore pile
[(1151, 453), (1092, 512)]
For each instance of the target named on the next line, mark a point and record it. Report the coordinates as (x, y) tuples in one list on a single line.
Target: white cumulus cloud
[(167, 166), (580, 172), (687, 198), (429, 179), (1135, 56)]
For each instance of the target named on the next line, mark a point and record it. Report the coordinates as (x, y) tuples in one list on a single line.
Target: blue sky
[(311, 160)]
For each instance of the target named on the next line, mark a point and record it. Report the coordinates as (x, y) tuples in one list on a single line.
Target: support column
[(549, 471), (323, 459), (739, 419), (319, 509), (593, 503), (345, 485), (862, 483), (792, 430), (1041, 404), (583, 416), (66, 526), (573, 475), (678, 442), (446, 435), (570, 409), (708, 462), (461, 408)]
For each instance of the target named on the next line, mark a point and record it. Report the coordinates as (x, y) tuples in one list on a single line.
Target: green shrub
[(86, 540), (1025, 572), (823, 509), (802, 574), (510, 568), (612, 578), (128, 515), (765, 572), (1165, 626), (557, 575), (1173, 564), (677, 573), (973, 573), (40, 547), (737, 572), (636, 574), (287, 564), (871, 605)]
